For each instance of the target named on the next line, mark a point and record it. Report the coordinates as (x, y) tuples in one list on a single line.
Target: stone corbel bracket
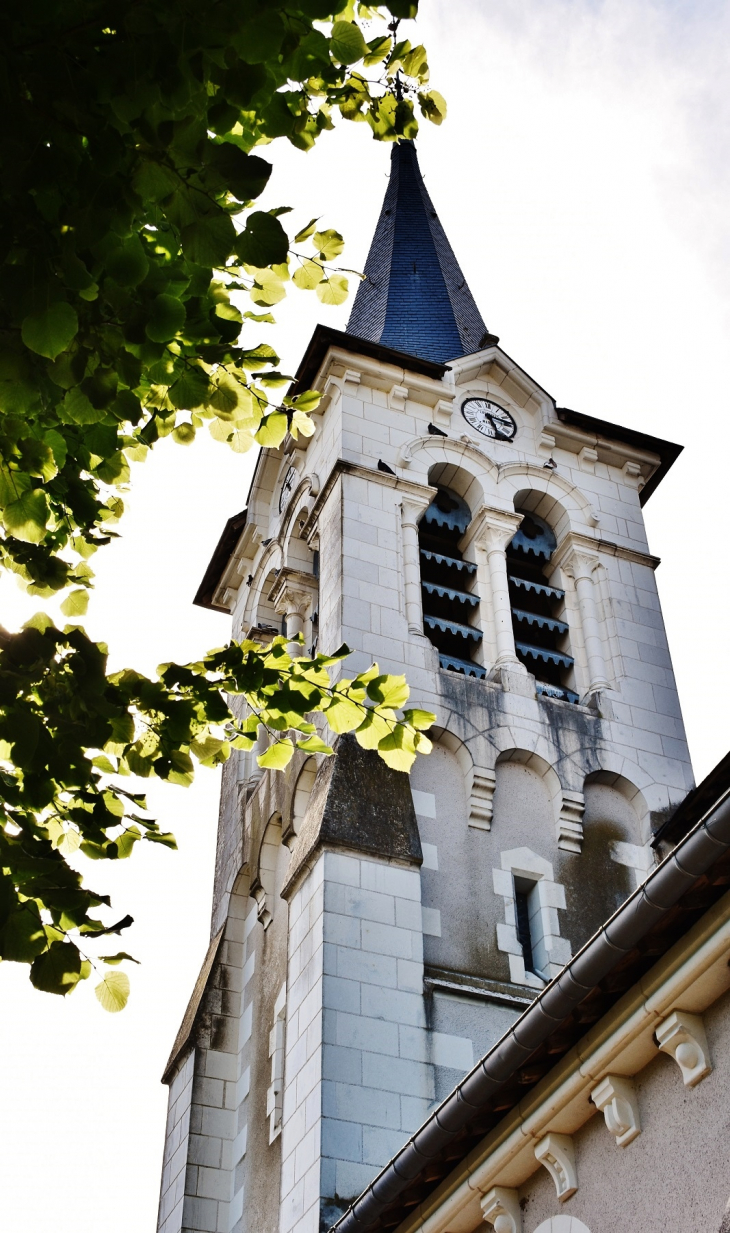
[(683, 1037), (501, 1209), (397, 397), (557, 1154), (616, 1098), (481, 799), (569, 826)]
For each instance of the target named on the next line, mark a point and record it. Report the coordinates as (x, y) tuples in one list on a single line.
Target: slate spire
[(414, 298)]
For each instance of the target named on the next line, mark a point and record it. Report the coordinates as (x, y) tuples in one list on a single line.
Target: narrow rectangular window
[(522, 913)]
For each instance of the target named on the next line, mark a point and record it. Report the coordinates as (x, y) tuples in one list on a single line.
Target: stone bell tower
[(373, 934)]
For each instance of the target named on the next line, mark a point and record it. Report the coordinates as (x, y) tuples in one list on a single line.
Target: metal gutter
[(625, 1045), (649, 904)]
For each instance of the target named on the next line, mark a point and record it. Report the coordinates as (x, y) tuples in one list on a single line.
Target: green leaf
[(305, 232), (23, 936), (389, 691), (343, 715), (128, 265), (422, 720), (77, 409), (26, 518), (184, 433), (378, 49), (314, 744), (75, 604), (333, 290), (50, 332), (113, 991), (264, 241), (347, 44), (301, 423), (272, 431), (329, 244), (308, 275), (12, 485), (433, 106), (403, 8), (57, 970), (308, 400), (69, 843), (58, 446), (244, 175), (277, 756), (167, 317), (113, 960), (395, 756), (209, 241)]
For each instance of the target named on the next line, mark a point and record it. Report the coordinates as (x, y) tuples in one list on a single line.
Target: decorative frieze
[(683, 1037), (557, 1154), (616, 1098)]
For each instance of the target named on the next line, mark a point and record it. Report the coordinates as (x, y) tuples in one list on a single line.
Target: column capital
[(292, 593), (413, 507), (577, 556), (491, 529)]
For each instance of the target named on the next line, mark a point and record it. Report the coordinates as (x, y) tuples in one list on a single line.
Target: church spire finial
[(414, 297)]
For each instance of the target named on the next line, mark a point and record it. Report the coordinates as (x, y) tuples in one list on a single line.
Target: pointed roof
[(414, 297)]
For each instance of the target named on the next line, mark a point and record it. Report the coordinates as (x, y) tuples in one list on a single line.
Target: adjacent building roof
[(204, 597), (414, 297), (687, 883)]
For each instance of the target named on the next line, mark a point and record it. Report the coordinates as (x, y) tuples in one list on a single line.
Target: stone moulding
[(616, 1098), (481, 800), (501, 1209), (557, 1154), (683, 1037)]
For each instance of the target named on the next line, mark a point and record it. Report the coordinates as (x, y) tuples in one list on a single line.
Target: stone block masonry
[(357, 1075)]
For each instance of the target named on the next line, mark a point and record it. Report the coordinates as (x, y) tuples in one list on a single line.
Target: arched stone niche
[(527, 800), (271, 866), (300, 800), (264, 613), (459, 480), (617, 817), (455, 858)]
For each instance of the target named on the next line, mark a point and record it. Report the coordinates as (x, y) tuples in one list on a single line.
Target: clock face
[(489, 418), (287, 488)]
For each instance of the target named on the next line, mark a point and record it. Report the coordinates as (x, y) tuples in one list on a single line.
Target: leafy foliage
[(130, 236), (69, 732)]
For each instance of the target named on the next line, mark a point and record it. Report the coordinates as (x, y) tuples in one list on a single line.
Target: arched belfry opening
[(450, 605), (538, 609)]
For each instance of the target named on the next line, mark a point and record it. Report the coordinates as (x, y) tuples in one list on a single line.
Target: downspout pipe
[(698, 852)]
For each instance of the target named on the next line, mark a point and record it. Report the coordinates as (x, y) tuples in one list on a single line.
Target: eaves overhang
[(325, 338), (660, 912), (667, 451), (205, 594)]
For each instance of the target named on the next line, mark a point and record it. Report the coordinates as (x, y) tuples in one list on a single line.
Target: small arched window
[(541, 636), (450, 607)]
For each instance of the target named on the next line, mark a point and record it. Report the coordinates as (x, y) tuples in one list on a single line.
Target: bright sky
[(582, 177)]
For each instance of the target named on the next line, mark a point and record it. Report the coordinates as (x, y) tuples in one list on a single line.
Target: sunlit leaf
[(113, 991)]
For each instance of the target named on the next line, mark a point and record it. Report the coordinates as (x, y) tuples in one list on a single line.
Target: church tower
[(373, 934)]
